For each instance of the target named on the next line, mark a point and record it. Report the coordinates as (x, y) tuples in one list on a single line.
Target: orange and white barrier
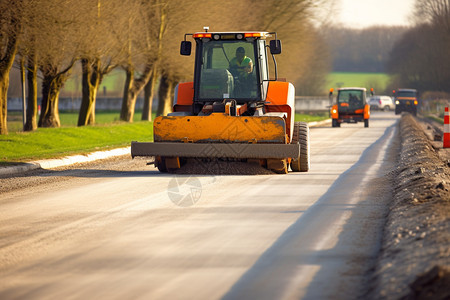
[(446, 128)]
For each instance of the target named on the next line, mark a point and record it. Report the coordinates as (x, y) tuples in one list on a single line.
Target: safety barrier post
[(446, 128)]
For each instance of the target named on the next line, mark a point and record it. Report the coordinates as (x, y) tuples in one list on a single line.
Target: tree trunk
[(129, 97), (91, 82), (51, 86), (133, 86), (149, 93), (4, 83), (50, 99), (7, 55), (31, 123), (165, 96)]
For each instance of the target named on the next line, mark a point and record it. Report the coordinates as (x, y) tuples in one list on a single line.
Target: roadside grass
[(312, 117), (436, 119), (70, 139), (59, 142), (378, 81)]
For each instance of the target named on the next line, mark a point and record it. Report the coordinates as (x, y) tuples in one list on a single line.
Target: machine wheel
[(333, 123), (366, 122), (301, 136), (160, 163), (387, 108)]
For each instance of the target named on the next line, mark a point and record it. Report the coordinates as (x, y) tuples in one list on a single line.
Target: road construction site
[(369, 220)]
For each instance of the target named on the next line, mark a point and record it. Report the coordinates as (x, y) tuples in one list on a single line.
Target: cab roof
[(230, 34), (352, 88)]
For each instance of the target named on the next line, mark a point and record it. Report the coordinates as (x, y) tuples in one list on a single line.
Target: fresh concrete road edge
[(76, 159), (64, 161)]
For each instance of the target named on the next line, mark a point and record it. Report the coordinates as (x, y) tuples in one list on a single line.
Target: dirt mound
[(433, 284), (416, 240)]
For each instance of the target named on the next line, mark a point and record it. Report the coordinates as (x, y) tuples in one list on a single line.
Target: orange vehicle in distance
[(350, 107)]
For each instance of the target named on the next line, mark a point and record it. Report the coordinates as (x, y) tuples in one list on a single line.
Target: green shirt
[(238, 69)]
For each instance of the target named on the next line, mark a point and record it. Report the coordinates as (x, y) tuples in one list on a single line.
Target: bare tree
[(304, 60), (99, 50), (28, 50), (139, 55), (434, 11), (10, 26), (56, 62), (420, 58), (160, 16)]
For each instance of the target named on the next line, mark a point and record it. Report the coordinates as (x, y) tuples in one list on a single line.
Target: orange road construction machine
[(232, 111), (351, 106)]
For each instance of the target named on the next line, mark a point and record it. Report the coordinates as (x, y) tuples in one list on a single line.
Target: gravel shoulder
[(414, 262)]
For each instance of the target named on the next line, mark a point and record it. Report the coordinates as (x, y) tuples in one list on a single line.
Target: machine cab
[(230, 65)]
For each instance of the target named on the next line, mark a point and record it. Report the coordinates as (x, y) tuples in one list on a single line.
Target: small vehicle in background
[(406, 100), (381, 103), (350, 107)]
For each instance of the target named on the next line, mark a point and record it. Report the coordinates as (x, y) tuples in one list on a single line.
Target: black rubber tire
[(295, 163), (305, 151), (161, 166), (366, 122), (334, 123), (301, 136)]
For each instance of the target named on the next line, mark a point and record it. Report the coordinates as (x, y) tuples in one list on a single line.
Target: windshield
[(406, 94), (351, 97), (228, 70)]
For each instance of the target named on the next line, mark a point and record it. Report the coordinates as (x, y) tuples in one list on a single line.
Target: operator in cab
[(241, 65)]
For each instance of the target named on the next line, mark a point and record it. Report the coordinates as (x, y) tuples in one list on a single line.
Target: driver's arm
[(249, 67)]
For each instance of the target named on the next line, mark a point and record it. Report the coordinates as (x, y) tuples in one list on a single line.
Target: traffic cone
[(446, 128)]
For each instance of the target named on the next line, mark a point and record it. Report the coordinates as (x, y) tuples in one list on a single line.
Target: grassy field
[(69, 139), (378, 81), (113, 83), (111, 86)]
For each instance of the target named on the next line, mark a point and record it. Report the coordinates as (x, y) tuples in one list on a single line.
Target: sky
[(366, 13)]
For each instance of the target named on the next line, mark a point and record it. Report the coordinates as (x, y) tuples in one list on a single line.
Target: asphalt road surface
[(118, 233)]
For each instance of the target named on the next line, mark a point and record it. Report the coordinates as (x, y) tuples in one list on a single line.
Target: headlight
[(334, 111), (239, 36), (216, 37), (397, 102)]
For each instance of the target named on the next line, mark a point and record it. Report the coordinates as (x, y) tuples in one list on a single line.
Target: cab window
[(221, 76)]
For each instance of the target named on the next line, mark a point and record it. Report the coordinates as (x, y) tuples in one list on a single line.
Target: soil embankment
[(414, 262)]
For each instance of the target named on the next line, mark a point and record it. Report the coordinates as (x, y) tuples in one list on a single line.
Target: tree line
[(420, 58), (361, 50), (48, 37)]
